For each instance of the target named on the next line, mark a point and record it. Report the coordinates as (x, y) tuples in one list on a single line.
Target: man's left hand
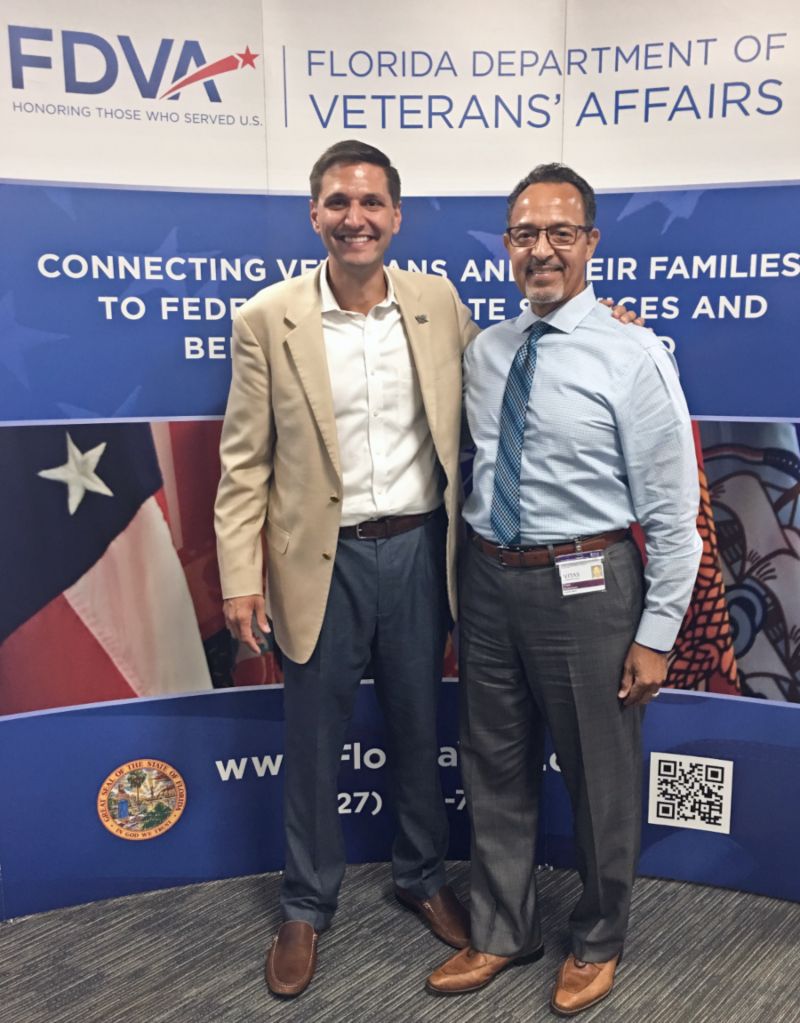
[(623, 313), (643, 675)]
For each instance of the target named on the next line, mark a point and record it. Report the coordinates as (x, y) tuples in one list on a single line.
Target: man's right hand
[(239, 614)]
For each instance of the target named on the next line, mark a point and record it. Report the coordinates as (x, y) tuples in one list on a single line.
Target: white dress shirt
[(388, 462)]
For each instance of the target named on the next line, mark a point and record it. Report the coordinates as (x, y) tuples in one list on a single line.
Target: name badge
[(581, 572)]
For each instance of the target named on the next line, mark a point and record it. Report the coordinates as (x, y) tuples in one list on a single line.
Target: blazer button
[(326, 556), (334, 498)]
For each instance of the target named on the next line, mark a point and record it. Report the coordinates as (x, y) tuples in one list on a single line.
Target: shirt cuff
[(658, 633)]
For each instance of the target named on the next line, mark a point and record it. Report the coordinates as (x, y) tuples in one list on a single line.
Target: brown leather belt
[(380, 529), (532, 557)]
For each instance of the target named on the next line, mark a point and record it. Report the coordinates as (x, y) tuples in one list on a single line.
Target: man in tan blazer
[(341, 439)]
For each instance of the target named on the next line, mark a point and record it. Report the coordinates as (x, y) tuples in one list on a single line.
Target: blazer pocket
[(277, 538)]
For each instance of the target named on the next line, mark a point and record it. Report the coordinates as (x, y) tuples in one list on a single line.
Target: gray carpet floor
[(195, 955)]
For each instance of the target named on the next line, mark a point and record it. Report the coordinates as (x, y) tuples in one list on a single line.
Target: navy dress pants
[(388, 605)]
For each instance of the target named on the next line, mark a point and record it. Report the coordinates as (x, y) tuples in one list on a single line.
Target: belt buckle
[(501, 549), (359, 535)]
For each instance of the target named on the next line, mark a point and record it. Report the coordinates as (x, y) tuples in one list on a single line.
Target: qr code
[(691, 792)]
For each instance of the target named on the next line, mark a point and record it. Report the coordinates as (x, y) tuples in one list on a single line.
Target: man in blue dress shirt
[(581, 429)]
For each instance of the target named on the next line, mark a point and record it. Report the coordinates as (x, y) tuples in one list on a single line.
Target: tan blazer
[(280, 454)]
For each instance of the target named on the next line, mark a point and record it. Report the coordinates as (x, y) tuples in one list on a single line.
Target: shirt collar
[(566, 318), (328, 299)]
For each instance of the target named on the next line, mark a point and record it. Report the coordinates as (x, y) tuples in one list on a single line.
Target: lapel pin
[(421, 318)]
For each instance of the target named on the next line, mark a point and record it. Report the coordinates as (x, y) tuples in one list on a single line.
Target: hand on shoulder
[(622, 313)]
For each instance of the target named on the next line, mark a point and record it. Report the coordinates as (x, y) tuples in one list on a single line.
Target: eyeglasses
[(560, 236)]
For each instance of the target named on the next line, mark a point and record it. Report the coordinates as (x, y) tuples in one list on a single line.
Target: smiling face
[(355, 217), (550, 277)]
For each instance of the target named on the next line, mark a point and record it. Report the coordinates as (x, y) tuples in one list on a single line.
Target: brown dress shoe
[(469, 970), (291, 958), (442, 912), (580, 985)]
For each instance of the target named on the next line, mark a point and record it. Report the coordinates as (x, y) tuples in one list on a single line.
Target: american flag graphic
[(96, 605)]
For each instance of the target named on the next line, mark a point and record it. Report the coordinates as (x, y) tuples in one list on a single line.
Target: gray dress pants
[(531, 658), (387, 604)]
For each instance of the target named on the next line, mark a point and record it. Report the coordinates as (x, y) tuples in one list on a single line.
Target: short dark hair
[(352, 151), (557, 173)]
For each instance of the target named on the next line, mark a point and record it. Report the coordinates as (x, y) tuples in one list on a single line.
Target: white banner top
[(190, 96)]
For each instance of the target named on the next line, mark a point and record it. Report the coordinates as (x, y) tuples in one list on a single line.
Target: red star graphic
[(247, 58)]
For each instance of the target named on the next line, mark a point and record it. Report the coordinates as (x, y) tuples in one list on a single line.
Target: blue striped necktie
[(505, 498)]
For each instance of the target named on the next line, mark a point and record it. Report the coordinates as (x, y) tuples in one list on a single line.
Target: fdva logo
[(91, 63)]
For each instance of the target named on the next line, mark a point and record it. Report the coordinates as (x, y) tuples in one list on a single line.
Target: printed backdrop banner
[(719, 774), (155, 175), (130, 796), (117, 304), (127, 797), (195, 96)]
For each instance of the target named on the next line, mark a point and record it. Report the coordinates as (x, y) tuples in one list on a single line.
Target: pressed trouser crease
[(387, 605), (529, 658)]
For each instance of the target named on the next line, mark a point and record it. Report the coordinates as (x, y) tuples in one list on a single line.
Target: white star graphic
[(78, 474)]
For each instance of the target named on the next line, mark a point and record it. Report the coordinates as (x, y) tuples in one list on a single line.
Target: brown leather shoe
[(442, 912), (469, 970), (580, 985), (291, 958)]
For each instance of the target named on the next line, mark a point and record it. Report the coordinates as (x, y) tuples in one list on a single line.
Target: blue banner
[(120, 798), (117, 304), (720, 787), (83, 789)]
